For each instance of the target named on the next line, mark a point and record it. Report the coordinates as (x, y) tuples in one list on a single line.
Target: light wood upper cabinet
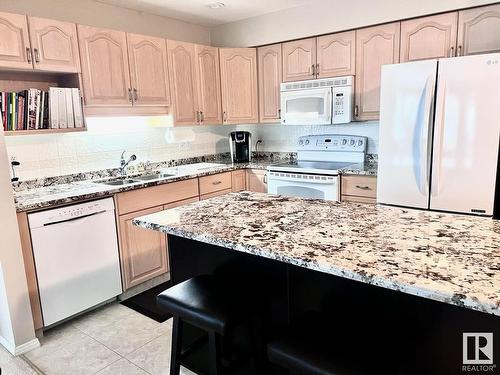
[(375, 46), (143, 252), (479, 30), (148, 70), (54, 45), (239, 85), (429, 37), (208, 78), (183, 85), (270, 78), (336, 55), (299, 60), (14, 42), (105, 70)]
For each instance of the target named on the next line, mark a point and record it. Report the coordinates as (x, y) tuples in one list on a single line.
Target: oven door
[(307, 107), (303, 185)]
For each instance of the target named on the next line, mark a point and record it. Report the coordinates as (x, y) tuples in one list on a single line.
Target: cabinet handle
[(452, 51), (356, 110), (265, 179), (130, 99), (216, 182), (224, 116), (37, 55), (202, 116), (317, 70), (28, 55), (459, 51), (363, 187), (279, 113), (136, 94), (313, 68)]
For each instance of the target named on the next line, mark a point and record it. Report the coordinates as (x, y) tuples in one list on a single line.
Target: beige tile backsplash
[(100, 147)]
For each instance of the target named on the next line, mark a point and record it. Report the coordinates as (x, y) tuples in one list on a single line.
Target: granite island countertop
[(55, 194), (444, 257)]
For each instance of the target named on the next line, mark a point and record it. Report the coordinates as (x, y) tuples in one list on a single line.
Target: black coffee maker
[(240, 146)]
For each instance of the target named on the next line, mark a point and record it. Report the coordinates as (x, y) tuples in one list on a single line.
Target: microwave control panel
[(342, 104)]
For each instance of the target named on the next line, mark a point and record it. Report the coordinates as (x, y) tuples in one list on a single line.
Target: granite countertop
[(444, 257), (33, 198)]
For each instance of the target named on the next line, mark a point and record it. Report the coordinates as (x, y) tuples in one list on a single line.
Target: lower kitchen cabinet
[(238, 180), (361, 189), (256, 180), (215, 194), (143, 252)]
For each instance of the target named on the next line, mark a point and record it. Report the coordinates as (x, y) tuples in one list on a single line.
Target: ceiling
[(198, 12)]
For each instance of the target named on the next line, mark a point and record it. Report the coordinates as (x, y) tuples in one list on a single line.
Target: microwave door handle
[(329, 104)]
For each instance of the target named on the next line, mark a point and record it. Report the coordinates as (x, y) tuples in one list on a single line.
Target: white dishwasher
[(76, 257)]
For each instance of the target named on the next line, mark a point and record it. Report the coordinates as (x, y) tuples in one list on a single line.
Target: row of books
[(32, 109)]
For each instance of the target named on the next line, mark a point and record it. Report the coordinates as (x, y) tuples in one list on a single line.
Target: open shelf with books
[(41, 103)]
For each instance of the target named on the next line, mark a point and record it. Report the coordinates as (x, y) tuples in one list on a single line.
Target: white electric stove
[(316, 172)]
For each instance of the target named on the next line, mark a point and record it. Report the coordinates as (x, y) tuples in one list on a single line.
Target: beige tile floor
[(113, 340)]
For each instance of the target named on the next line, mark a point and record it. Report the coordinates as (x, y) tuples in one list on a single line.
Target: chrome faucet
[(124, 164)]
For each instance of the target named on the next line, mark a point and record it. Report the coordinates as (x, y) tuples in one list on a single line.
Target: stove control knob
[(360, 142), (301, 142), (352, 142), (344, 142), (307, 142)]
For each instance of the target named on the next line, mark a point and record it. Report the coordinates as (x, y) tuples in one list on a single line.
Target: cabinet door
[(55, 45), (105, 70), (238, 180), (183, 86), (148, 70), (479, 30), (270, 78), (208, 77), (336, 55), (239, 85), (256, 180), (14, 43), (429, 37), (299, 60), (375, 46), (143, 251)]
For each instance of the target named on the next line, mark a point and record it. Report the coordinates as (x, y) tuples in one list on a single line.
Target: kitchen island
[(437, 270)]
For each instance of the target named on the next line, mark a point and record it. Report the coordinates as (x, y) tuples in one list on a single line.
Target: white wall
[(92, 13), (100, 147), (16, 321), (326, 16)]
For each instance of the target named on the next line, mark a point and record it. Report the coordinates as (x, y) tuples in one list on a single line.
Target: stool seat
[(205, 302)]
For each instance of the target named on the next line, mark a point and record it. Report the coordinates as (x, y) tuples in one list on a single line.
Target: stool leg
[(215, 353), (175, 359)]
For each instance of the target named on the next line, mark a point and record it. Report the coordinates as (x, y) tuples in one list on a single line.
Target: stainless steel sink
[(117, 182), (154, 176)]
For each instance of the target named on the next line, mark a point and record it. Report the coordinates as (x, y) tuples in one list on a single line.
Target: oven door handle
[(308, 181)]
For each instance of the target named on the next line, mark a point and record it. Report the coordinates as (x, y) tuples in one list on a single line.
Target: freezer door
[(467, 128), (406, 116)]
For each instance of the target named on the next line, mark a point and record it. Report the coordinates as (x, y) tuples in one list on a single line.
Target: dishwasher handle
[(74, 218)]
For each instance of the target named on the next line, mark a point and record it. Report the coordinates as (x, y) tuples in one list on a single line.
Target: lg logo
[(478, 352)]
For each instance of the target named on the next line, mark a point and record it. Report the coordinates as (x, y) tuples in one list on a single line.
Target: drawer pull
[(363, 187), (216, 182)]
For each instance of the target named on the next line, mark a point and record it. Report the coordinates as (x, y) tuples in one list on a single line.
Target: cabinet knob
[(37, 55), (28, 55)]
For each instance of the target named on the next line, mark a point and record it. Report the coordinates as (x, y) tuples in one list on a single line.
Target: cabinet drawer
[(216, 182), (215, 194), (353, 198), (361, 186), (140, 199)]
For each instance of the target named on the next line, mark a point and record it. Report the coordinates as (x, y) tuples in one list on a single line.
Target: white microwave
[(317, 102)]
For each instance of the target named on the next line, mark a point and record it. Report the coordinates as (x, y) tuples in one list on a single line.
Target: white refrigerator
[(439, 134)]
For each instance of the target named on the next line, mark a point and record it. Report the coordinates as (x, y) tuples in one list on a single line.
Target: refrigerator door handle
[(438, 138), (425, 135)]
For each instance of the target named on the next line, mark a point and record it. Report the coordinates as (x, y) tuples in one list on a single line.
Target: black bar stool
[(210, 304)]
